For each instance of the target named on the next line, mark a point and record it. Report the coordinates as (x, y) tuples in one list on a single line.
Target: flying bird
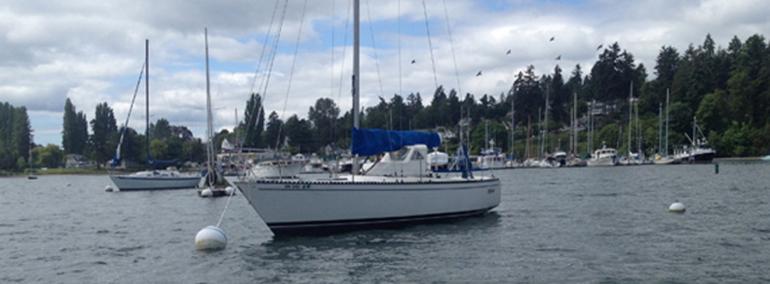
[(414, 61), (599, 47), (552, 38), (478, 74), (558, 57), (508, 52)]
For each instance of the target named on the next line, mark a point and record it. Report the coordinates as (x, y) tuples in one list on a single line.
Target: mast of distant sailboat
[(209, 126), (356, 71)]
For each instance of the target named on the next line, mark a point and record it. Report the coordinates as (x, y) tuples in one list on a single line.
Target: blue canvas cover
[(372, 141)]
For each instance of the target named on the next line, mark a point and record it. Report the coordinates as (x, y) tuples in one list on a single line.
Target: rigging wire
[(272, 60), (400, 76), (267, 81), (331, 61), (259, 66), (291, 71), (344, 50), (130, 109), (332, 129), (452, 47), (264, 47), (430, 44), (374, 46)]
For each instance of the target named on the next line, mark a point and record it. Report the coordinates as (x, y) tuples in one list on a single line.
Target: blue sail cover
[(371, 141)]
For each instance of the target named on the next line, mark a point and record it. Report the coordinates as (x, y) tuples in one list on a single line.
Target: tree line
[(15, 137), (726, 88)]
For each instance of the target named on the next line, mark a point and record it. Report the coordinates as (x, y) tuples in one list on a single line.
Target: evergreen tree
[(105, 133), (253, 122), (274, 129), (21, 139), (323, 116)]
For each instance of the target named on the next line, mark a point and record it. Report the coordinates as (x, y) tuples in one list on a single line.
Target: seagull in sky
[(414, 61), (552, 38), (599, 47), (558, 57), (478, 74), (508, 52)]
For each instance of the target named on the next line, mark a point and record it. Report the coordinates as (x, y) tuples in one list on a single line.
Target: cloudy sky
[(92, 51)]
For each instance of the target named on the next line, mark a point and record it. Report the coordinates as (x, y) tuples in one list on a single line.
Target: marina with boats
[(465, 153)]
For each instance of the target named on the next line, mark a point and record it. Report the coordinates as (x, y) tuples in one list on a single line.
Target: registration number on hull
[(296, 186)]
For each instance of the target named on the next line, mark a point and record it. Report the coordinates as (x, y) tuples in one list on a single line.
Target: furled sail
[(371, 141)]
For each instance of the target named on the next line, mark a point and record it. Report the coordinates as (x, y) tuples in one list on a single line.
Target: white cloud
[(92, 51)]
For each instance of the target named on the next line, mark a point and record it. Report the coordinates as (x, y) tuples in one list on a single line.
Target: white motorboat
[(491, 159), (300, 206), (560, 158), (603, 157)]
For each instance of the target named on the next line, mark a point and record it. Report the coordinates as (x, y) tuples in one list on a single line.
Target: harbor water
[(553, 225)]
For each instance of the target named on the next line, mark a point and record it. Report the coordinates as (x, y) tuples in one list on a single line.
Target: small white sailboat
[(311, 206), (152, 179)]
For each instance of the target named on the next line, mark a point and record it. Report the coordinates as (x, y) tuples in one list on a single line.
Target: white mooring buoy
[(229, 190), (207, 193), (210, 238), (676, 207), (108, 188)]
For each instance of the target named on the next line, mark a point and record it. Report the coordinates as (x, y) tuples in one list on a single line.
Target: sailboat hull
[(701, 158), (131, 183), (319, 207)]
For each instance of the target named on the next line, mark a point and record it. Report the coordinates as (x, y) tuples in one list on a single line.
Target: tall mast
[(574, 124), (630, 117), (545, 117), (513, 121), (356, 83), (666, 135), (147, 97), (660, 128), (210, 144)]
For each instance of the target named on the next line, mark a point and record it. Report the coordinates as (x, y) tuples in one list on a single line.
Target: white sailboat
[(152, 179), (300, 206)]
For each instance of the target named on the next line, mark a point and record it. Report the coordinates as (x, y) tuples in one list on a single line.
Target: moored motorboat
[(603, 157)]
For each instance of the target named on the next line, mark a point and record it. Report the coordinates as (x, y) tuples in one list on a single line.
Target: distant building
[(600, 108), (78, 161)]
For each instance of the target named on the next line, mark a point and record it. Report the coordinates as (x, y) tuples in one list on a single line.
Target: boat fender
[(108, 188), (676, 207), (206, 193), (210, 238), (229, 190)]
